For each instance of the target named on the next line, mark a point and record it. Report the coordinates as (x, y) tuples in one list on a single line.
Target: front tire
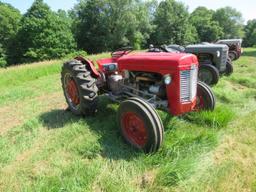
[(233, 55), (229, 68), (208, 74), (205, 98), (140, 125), (79, 88)]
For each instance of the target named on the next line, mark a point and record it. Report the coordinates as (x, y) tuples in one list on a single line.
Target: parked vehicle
[(235, 47), (213, 60), (140, 82)]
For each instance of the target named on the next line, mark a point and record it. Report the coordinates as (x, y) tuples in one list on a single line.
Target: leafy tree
[(140, 32), (102, 25), (207, 29), (3, 61), (191, 35), (172, 24), (250, 33), (231, 22), (44, 34), (9, 22), (89, 27)]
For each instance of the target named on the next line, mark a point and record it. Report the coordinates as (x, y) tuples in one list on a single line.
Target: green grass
[(46, 148)]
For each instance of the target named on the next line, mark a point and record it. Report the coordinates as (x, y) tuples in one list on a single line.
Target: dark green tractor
[(213, 59)]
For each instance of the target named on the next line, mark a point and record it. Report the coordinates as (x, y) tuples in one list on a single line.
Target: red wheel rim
[(134, 129), (72, 91), (200, 104)]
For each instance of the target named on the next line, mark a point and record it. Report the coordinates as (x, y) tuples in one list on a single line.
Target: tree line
[(97, 26)]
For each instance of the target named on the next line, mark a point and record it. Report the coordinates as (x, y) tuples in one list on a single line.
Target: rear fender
[(90, 65)]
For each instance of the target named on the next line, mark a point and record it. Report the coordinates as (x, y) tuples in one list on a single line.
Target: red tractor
[(140, 82)]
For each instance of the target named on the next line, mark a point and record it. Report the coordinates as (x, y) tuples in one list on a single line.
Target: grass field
[(45, 148)]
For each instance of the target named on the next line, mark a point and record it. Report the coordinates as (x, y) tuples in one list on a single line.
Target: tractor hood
[(148, 61), (206, 48), (230, 41)]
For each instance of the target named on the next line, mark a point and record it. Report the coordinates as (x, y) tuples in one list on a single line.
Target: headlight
[(167, 79), (218, 53)]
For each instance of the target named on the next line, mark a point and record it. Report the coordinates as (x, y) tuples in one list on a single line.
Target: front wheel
[(233, 55), (208, 74), (205, 100), (229, 68), (140, 125)]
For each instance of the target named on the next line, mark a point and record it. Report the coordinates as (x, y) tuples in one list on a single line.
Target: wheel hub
[(72, 90), (134, 129), (200, 104)]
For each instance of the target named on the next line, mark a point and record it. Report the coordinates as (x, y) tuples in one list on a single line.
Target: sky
[(246, 7)]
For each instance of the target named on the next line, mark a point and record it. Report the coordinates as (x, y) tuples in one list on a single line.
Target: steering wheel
[(122, 51), (161, 48)]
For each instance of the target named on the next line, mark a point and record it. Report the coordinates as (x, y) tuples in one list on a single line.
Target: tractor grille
[(224, 57), (188, 82)]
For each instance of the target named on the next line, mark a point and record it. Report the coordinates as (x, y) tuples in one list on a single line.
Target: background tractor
[(235, 47), (213, 59), (140, 82)]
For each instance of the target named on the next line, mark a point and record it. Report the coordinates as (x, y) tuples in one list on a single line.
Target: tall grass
[(47, 148)]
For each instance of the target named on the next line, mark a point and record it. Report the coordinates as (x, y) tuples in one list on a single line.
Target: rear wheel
[(79, 88), (205, 98), (140, 125), (229, 68), (232, 55), (208, 74)]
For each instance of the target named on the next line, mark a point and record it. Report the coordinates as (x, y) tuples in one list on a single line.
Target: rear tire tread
[(82, 77)]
